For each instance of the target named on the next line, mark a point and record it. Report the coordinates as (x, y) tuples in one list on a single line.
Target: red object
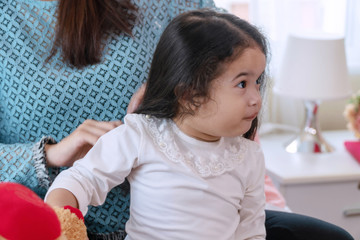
[(353, 148), (76, 211), (24, 215)]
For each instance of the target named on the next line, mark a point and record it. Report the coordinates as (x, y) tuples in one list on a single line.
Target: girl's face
[(234, 103)]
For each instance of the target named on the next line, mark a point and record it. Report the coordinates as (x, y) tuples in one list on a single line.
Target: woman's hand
[(136, 99), (78, 143)]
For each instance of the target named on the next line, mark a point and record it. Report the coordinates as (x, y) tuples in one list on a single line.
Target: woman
[(67, 72)]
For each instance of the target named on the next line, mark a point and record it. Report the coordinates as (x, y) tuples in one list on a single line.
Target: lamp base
[(310, 140)]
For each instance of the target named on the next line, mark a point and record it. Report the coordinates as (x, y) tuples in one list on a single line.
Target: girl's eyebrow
[(249, 73), (240, 75)]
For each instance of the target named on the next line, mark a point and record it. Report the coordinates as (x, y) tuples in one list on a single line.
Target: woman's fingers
[(106, 126), (90, 131), (78, 143)]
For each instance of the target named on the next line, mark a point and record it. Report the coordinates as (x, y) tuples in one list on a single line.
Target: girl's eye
[(242, 84)]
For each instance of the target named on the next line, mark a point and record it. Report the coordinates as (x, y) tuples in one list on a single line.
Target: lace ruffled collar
[(204, 158)]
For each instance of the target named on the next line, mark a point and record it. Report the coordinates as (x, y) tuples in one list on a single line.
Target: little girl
[(193, 171)]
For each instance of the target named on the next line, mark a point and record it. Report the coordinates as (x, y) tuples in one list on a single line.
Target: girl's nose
[(255, 98)]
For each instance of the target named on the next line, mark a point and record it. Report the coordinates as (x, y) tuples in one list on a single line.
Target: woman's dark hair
[(190, 54), (82, 25)]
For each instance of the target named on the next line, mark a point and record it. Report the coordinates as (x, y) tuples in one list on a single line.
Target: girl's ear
[(179, 92), (182, 97), (189, 100)]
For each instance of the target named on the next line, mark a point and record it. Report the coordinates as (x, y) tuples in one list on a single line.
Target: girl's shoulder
[(249, 149), (252, 146), (251, 143), (144, 122)]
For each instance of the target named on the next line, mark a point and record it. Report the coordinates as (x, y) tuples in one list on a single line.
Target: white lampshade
[(313, 68)]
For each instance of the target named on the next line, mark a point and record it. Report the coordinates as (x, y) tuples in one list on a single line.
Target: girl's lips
[(252, 117)]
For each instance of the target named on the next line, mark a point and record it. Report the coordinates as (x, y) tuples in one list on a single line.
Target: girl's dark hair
[(82, 25), (190, 54)]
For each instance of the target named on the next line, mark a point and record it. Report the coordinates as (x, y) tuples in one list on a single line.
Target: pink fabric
[(272, 194), (353, 147)]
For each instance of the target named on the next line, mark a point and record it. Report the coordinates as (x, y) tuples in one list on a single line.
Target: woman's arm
[(23, 163), (28, 163)]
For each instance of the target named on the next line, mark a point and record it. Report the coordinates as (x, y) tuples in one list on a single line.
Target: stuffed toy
[(25, 216), (352, 115)]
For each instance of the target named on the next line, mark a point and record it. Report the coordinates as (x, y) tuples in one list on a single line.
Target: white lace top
[(181, 188)]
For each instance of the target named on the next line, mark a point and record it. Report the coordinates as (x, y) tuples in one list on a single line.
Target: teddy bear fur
[(72, 227)]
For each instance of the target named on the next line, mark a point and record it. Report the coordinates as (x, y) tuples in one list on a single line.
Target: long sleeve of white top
[(104, 167)]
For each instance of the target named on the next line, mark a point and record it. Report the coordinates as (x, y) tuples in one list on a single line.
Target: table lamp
[(313, 69)]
